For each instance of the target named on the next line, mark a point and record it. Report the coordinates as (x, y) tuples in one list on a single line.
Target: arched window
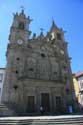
[(58, 36), (21, 25)]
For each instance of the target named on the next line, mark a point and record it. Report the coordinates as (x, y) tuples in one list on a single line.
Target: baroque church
[(38, 71)]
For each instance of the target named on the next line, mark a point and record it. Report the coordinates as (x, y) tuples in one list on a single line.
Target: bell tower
[(18, 40), (19, 31)]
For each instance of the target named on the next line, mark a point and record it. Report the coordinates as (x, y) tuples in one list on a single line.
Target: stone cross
[(42, 29), (22, 7)]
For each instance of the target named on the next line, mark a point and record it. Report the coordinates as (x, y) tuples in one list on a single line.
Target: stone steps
[(5, 111), (42, 120)]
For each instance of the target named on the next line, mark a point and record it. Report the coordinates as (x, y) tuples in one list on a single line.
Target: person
[(70, 109), (41, 109)]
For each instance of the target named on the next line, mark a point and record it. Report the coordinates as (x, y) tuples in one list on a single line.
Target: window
[(18, 59), (31, 69), (82, 99), (0, 91), (80, 78), (1, 77), (65, 69), (42, 54), (55, 73), (67, 90), (16, 72), (81, 84), (58, 101), (58, 36), (29, 46), (21, 25), (15, 87)]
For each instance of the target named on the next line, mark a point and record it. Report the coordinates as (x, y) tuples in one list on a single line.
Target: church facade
[(38, 71)]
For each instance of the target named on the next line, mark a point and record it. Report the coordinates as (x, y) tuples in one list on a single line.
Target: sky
[(67, 14)]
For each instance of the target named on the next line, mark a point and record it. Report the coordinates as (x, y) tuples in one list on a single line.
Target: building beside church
[(38, 71), (2, 74), (78, 87)]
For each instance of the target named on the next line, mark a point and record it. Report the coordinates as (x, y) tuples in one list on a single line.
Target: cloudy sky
[(68, 14)]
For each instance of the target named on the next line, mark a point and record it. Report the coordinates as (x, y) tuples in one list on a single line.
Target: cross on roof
[(52, 18), (42, 29), (22, 7)]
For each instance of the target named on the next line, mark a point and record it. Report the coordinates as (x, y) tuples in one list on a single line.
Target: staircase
[(43, 120), (5, 111)]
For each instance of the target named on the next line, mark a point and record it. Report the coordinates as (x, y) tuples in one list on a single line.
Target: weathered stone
[(36, 70)]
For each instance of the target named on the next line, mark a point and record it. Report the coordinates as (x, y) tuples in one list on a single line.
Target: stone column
[(52, 107), (38, 101)]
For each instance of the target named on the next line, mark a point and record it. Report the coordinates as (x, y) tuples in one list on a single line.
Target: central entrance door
[(45, 102), (58, 104), (31, 104)]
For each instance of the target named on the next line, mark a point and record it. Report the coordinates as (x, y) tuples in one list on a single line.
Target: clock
[(20, 41)]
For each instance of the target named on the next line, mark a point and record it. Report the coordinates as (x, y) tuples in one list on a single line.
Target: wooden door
[(45, 102), (31, 104)]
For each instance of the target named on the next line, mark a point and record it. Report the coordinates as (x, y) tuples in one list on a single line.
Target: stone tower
[(38, 70)]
